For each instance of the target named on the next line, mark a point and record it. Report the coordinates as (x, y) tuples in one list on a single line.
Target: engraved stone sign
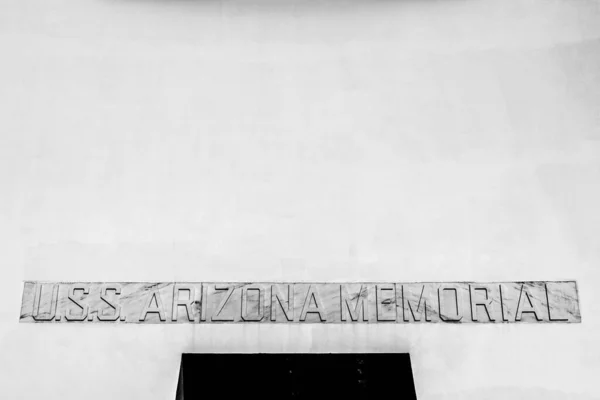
[(277, 302)]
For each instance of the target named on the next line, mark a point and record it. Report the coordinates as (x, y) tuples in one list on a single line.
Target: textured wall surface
[(300, 140)]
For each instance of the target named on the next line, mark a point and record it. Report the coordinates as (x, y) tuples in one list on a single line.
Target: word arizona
[(174, 302)]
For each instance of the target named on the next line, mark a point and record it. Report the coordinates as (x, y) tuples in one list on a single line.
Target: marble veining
[(277, 302)]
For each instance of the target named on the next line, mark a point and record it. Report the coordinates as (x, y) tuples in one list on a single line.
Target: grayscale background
[(300, 140)]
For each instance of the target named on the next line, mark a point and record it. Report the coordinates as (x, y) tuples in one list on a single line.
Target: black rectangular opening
[(296, 376)]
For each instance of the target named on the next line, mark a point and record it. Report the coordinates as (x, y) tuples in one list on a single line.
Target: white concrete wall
[(397, 140)]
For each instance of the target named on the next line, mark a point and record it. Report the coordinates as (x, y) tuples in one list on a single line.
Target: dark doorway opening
[(296, 376)]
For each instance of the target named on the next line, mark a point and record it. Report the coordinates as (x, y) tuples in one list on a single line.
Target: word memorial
[(174, 302)]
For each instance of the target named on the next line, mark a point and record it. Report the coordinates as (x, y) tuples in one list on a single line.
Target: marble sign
[(341, 303)]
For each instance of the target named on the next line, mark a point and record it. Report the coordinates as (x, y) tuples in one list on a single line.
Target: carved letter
[(455, 317), (422, 308), (383, 303), (550, 317), (151, 309), (503, 306), (216, 316), (360, 309), (84, 308), (102, 316), (526, 305), (313, 296), (178, 302), (37, 302), (486, 303), (203, 301), (259, 311), (288, 311)]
